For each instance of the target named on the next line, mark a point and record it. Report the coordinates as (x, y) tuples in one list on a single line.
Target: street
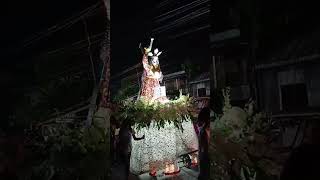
[(185, 174)]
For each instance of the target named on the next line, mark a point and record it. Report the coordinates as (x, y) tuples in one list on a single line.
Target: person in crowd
[(113, 144), (302, 163), (204, 134), (125, 135), (196, 128)]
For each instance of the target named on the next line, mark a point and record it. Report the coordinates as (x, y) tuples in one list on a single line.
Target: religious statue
[(161, 147), (152, 76)]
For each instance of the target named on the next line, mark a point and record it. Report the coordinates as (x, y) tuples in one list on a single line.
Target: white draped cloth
[(161, 146)]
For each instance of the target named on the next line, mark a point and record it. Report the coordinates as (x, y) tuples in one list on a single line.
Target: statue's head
[(154, 57), (155, 61)]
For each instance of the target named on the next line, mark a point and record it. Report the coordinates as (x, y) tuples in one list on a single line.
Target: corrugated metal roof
[(298, 48), (202, 77), (229, 34), (172, 75), (309, 58)]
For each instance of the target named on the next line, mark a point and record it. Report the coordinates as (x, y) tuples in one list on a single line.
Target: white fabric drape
[(161, 146)]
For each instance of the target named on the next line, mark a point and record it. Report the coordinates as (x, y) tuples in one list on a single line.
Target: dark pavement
[(185, 174)]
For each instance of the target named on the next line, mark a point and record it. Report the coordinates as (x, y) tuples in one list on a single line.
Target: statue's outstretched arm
[(148, 49)]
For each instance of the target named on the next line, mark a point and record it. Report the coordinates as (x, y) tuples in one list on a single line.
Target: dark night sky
[(21, 20), (130, 25), (24, 19)]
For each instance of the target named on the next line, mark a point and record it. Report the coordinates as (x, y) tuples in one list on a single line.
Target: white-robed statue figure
[(161, 147), (152, 75)]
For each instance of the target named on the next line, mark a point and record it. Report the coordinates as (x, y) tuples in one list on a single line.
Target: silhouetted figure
[(13, 153), (303, 162), (204, 134), (113, 141), (125, 135)]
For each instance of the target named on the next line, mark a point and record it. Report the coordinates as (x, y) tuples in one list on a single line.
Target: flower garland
[(142, 112)]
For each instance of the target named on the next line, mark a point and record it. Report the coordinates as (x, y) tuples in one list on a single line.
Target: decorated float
[(167, 124)]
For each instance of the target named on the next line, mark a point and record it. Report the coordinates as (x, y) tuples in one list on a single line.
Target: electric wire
[(187, 17), (192, 4), (163, 3), (180, 10), (196, 29), (79, 43), (89, 49), (182, 20), (64, 25)]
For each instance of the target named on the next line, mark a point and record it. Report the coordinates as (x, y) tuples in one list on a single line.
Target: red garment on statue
[(148, 83)]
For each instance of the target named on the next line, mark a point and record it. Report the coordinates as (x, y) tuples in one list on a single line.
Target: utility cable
[(89, 50), (78, 44), (186, 17), (182, 20), (193, 4), (64, 25), (184, 8)]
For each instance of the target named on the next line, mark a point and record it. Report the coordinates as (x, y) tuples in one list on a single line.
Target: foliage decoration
[(226, 95), (239, 149), (142, 112), (247, 174)]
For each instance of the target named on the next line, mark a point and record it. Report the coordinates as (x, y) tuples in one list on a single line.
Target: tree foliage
[(68, 152), (126, 92), (190, 68)]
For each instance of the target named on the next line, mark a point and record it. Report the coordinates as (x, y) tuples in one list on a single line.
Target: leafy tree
[(126, 92), (190, 68)]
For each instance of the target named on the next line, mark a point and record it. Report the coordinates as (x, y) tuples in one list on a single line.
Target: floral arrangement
[(239, 143), (142, 112)]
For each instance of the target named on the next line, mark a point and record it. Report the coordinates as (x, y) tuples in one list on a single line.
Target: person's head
[(204, 117), (126, 123)]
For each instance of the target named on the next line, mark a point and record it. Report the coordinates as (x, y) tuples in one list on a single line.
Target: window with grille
[(202, 92)]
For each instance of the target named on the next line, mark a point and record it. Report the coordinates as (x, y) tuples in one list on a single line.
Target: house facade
[(273, 58), (229, 56), (200, 89), (200, 86), (289, 80), (174, 82)]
